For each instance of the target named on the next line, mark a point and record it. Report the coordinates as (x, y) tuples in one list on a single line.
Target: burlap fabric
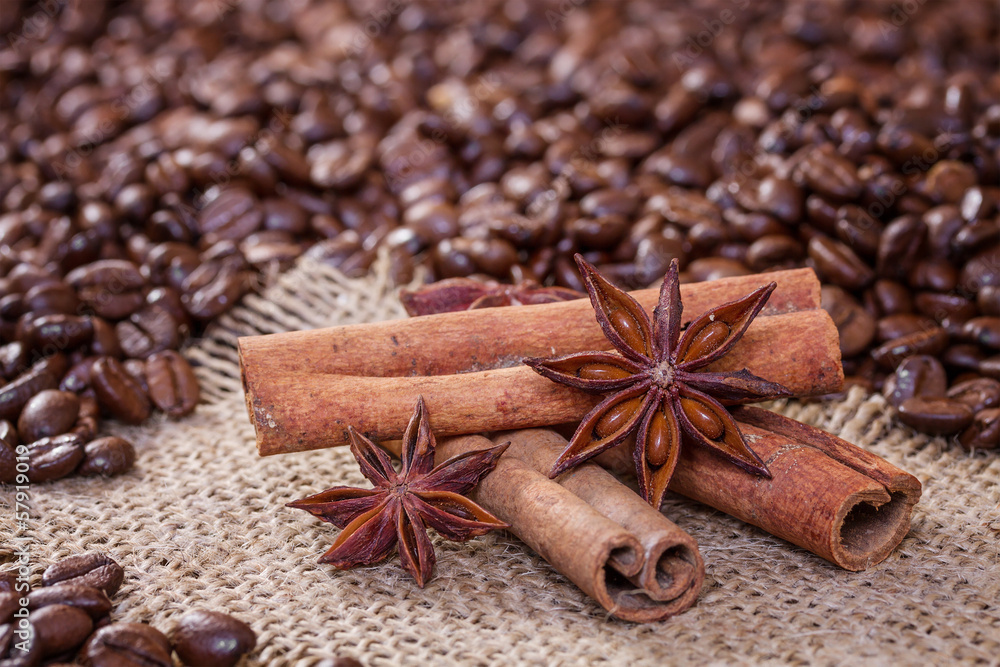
[(201, 522)]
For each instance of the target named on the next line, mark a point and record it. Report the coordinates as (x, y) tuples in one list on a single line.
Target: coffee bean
[(984, 432), (233, 214), (108, 457), (919, 375), (47, 413), (60, 628), (90, 569), (55, 333), (117, 392), (928, 341), (54, 457), (982, 330), (149, 330), (900, 246), (112, 288), (89, 599), (854, 324), (830, 174), (901, 324), (122, 644), (212, 290), (9, 604), (211, 638), (937, 416), (839, 264), (978, 394)]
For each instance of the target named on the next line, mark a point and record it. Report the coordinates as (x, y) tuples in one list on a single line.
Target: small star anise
[(653, 384), (396, 513), (453, 294)]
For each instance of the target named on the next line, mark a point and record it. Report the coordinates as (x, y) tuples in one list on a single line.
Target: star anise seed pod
[(453, 294), (397, 512), (654, 384)]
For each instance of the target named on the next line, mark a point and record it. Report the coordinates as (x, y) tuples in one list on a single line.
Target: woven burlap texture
[(200, 523)]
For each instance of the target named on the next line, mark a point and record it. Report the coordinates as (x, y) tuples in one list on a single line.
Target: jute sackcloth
[(200, 523)]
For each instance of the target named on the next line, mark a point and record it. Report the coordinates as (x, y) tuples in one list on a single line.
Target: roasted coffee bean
[(234, 214), (60, 628), (77, 378), (13, 360), (902, 324), (829, 173), (47, 413), (900, 247), (9, 441), (937, 416), (949, 310), (55, 333), (929, 341), (172, 384), (108, 457), (112, 288), (91, 600), (213, 289), (54, 457), (121, 644), (90, 569), (9, 604), (982, 330), (854, 324), (149, 330), (211, 638), (51, 299), (978, 394), (919, 375), (117, 392), (839, 264), (984, 432)]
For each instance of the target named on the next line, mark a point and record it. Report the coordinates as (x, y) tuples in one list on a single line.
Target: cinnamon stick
[(672, 566), (825, 495), (297, 411), (493, 337), (638, 567)]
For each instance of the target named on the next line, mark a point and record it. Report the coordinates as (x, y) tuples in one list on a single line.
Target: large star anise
[(654, 385), (396, 513)]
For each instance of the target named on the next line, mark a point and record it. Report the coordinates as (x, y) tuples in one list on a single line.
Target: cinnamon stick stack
[(303, 389)]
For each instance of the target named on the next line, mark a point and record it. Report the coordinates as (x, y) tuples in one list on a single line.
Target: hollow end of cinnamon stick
[(869, 528)]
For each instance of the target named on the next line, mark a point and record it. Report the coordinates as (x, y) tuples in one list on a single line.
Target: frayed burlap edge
[(201, 522)]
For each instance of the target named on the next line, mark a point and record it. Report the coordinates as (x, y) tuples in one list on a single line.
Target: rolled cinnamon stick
[(606, 560), (297, 411), (493, 337), (825, 495), (672, 566)]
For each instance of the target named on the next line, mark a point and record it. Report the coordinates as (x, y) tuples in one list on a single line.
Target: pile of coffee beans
[(67, 620), (159, 159)]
